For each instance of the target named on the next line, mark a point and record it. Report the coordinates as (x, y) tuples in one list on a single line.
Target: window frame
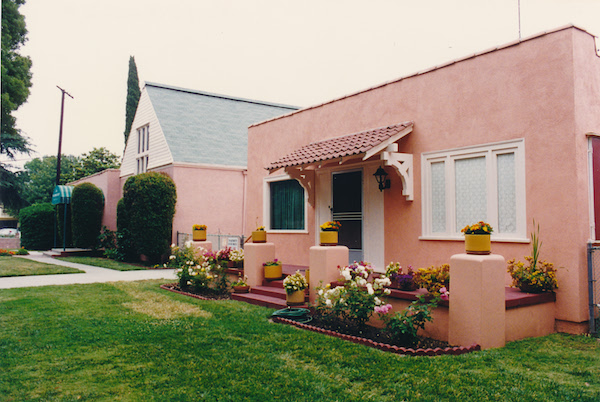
[(267, 205), (490, 152), (143, 148)]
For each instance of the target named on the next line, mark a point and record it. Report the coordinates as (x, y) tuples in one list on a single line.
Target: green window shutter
[(287, 205)]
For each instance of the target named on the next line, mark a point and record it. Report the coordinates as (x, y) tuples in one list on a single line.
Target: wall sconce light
[(382, 180)]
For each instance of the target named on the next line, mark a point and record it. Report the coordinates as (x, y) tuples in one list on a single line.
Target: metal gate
[(218, 240), (594, 286)]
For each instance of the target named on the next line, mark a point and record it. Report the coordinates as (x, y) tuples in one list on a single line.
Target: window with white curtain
[(463, 186)]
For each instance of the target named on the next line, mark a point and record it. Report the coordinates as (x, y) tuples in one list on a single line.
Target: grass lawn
[(131, 341), (14, 266), (104, 263)]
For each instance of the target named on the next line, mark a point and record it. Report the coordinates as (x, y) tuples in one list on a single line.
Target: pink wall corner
[(211, 196)]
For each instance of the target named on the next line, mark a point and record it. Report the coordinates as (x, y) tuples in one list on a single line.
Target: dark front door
[(347, 209)]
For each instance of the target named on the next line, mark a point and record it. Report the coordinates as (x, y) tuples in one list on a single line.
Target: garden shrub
[(150, 200), (37, 226), (87, 204), (125, 247), (199, 271), (404, 326), (433, 278), (355, 302), (60, 225)]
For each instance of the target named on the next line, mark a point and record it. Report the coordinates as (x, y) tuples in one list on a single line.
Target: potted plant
[(241, 286), (272, 269), (399, 279), (478, 238), (199, 232), (329, 233), (295, 288), (537, 276), (259, 235), (224, 257)]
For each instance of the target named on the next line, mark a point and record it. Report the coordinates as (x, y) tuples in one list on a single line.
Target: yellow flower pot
[(272, 271), (478, 244), (259, 236), (199, 234), (328, 238), (296, 297)]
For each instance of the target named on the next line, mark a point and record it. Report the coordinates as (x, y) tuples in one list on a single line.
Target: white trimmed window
[(143, 148), (463, 186), (285, 202)]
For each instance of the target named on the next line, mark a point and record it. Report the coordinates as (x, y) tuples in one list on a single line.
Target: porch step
[(267, 295)]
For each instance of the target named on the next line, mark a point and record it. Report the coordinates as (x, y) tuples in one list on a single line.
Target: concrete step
[(277, 292)]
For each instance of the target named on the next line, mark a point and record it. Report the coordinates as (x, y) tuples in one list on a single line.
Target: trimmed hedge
[(125, 247), (87, 206), (37, 226), (149, 200)]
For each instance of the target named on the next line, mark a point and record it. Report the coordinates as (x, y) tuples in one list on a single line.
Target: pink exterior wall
[(211, 196), (545, 90), (107, 181)]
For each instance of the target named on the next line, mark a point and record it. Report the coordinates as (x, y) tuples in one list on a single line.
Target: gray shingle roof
[(202, 127)]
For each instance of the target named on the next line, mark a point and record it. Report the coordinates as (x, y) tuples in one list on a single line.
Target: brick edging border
[(456, 350), (195, 296)]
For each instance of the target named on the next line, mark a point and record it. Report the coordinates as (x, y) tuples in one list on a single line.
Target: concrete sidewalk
[(91, 275)]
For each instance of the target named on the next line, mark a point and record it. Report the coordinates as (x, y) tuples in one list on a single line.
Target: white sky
[(300, 53)]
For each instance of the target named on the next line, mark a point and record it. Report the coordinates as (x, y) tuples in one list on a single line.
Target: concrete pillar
[(255, 254), (206, 245), (323, 264), (477, 300)]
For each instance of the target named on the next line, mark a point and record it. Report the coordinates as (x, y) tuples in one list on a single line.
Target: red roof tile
[(347, 145)]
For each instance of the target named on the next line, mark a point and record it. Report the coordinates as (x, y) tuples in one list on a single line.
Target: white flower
[(188, 243), (362, 282), (173, 245), (320, 292), (328, 303), (346, 274), (386, 291), (370, 289), (377, 301), (172, 257)]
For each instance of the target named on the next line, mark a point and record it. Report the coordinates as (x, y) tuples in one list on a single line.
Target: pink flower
[(383, 309), (444, 294)]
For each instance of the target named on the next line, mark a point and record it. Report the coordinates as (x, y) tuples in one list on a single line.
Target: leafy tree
[(133, 96), (39, 178), (16, 81), (97, 160)]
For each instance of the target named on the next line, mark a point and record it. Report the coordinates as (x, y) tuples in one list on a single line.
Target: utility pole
[(62, 110)]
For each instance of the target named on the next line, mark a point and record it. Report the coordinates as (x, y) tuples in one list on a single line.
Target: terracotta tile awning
[(365, 142)]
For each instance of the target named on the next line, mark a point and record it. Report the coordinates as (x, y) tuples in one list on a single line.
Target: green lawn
[(135, 342), (14, 266), (104, 263)]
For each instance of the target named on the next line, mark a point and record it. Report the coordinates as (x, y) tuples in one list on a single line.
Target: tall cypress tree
[(133, 96)]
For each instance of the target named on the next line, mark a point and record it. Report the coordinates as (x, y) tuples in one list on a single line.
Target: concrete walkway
[(91, 275)]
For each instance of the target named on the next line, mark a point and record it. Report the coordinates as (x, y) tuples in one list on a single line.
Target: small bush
[(5, 253), (433, 278), (87, 208), (404, 326), (37, 226)]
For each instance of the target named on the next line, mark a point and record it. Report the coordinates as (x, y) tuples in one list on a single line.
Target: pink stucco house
[(200, 140), (505, 135)]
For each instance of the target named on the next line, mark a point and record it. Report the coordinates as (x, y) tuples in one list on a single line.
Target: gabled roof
[(202, 127), (365, 143)]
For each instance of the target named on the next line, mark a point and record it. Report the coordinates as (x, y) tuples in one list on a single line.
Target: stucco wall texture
[(545, 89)]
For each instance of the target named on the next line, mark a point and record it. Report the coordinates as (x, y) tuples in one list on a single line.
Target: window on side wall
[(143, 148), (466, 185), (286, 209)]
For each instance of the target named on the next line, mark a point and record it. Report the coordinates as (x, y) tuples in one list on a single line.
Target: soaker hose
[(300, 315)]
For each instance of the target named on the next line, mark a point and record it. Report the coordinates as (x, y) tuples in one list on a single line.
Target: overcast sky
[(299, 53)]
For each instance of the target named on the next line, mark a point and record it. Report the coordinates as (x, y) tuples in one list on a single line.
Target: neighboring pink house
[(505, 136), (200, 140)]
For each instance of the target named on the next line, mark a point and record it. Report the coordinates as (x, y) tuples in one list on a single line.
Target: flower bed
[(386, 347)]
